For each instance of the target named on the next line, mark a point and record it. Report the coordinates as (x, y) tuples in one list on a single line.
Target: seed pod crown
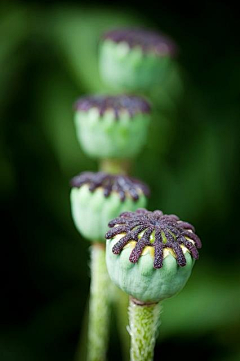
[(147, 40), (122, 185), (129, 103), (156, 230)]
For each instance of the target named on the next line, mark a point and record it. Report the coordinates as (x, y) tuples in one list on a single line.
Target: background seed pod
[(114, 132)]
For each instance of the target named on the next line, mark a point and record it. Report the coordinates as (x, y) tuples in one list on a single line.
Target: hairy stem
[(99, 305), (120, 307), (144, 322)]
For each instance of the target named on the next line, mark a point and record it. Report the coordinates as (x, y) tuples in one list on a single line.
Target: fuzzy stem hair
[(144, 322), (99, 305)]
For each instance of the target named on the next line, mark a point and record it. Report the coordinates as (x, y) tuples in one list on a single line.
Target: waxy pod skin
[(112, 127), (135, 59), (98, 197), (150, 256)]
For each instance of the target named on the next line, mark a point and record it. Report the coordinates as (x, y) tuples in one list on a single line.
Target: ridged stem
[(144, 322), (99, 305)]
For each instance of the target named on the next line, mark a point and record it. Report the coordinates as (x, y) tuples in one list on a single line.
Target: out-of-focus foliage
[(48, 57)]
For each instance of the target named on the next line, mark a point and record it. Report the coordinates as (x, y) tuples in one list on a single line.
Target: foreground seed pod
[(98, 197), (135, 58), (112, 126), (150, 255)]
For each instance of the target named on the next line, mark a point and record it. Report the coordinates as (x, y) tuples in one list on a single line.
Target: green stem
[(144, 322), (99, 305), (115, 166), (121, 306)]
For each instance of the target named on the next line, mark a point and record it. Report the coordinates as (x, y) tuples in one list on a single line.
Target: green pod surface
[(91, 211), (105, 137), (123, 67), (141, 280)]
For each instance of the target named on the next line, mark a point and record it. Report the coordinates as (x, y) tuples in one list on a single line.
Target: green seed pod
[(135, 59), (112, 126), (98, 197), (150, 256)]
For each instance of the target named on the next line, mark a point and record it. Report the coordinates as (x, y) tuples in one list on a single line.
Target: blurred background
[(48, 58)]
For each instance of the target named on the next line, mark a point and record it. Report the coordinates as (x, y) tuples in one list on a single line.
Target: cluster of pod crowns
[(145, 228)]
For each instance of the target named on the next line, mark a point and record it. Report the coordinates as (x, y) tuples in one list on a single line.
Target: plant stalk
[(144, 322), (98, 305), (115, 166), (121, 302)]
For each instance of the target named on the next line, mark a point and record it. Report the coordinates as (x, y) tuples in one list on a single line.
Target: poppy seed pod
[(111, 127), (150, 255), (98, 197), (135, 59)]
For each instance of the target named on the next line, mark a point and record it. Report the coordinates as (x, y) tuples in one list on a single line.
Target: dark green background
[(48, 57)]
